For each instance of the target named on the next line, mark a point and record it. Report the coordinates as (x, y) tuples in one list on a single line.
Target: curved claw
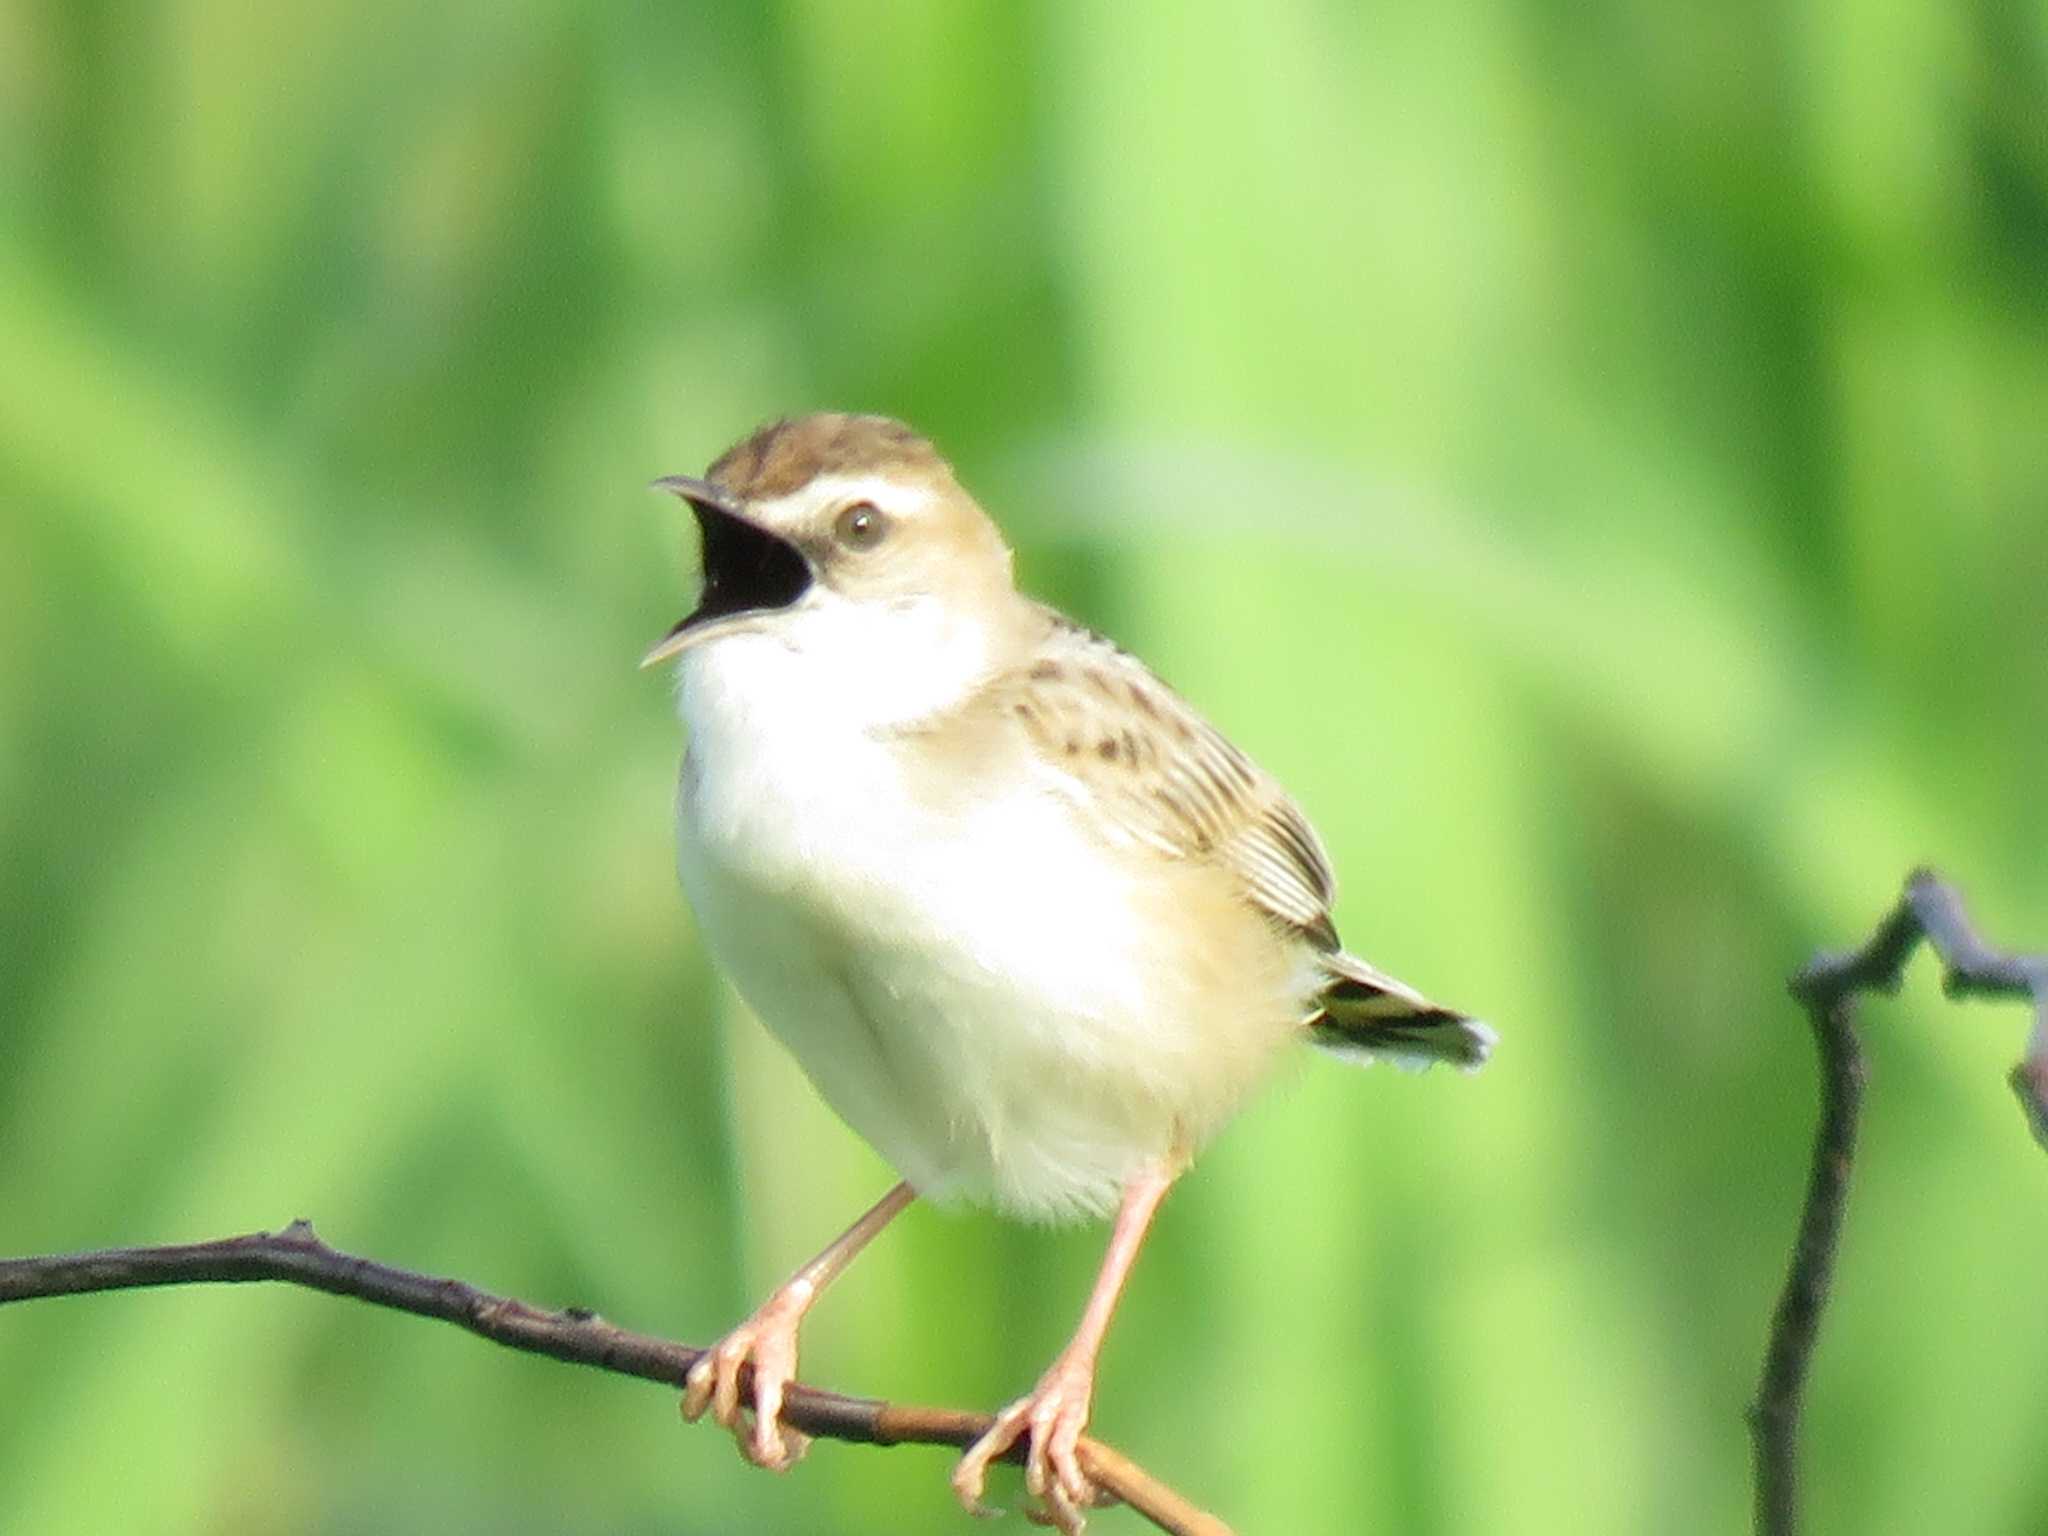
[(970, 1475), (1054, 1415), (763, 1347)]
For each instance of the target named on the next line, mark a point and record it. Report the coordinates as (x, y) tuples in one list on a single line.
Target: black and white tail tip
[(1366, 1014)]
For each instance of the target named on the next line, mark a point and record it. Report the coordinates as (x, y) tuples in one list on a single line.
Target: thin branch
[(298, 1257), (1829, 987)]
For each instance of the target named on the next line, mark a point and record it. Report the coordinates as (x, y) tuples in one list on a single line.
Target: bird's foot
[(764, 1349), (1053, 1416)]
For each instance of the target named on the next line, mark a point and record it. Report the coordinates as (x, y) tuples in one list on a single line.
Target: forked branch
[(297, 1256), (1829, 987)]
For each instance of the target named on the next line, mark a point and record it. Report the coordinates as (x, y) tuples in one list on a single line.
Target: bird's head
[(832, 531)]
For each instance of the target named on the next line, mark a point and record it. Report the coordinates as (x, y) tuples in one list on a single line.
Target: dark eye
[(861, 526)]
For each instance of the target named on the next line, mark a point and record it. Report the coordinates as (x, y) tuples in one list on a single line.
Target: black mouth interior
[(745, 569)]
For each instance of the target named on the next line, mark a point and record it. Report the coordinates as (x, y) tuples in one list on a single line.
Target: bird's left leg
[(764, 1346), (1057, 1410)]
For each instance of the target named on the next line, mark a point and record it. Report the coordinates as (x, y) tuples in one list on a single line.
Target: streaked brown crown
[(787, 455)]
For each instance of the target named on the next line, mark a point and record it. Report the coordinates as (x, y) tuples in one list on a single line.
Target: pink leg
[(766, 1342), (1057, 1410)]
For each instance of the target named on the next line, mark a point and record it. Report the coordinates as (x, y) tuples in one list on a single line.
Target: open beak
[(747, 569)]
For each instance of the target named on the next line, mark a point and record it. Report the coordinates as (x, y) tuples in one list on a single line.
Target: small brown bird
[(1031, 925)]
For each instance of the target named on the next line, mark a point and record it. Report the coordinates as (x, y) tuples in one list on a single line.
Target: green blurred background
[(1598, 458)]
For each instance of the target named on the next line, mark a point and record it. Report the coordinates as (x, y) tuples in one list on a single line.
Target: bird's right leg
[(765, 1344)]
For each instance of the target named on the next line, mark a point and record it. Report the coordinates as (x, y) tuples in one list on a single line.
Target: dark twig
[(298, 1257), (1829, 986)]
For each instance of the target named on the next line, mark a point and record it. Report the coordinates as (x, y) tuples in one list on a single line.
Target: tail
[(1365, 1014)]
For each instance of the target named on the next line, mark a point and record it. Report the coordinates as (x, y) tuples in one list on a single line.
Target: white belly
[(976, 989)]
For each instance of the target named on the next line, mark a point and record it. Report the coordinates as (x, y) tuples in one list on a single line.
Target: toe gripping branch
[(297, 1256)]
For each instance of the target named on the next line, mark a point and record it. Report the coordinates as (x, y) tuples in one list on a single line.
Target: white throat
[(839, 665)]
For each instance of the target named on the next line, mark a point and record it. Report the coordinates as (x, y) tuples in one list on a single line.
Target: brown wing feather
[(1162, 775)]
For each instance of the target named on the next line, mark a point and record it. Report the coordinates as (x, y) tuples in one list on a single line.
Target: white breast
[(981, 990)]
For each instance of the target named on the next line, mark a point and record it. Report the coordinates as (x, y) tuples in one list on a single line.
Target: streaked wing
[(1161, 775)]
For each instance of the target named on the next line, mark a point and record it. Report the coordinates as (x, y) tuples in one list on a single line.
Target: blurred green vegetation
[(1598, 458)]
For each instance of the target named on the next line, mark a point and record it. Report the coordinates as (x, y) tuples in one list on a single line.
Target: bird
[(1030, 924)]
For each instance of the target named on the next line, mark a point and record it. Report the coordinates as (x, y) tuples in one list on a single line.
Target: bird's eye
[(861, 526)]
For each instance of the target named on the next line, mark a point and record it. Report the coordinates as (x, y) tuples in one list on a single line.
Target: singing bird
[(1030, 925)]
